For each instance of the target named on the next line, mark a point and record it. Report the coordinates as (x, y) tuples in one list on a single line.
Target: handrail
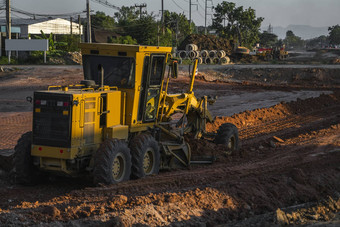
[(114, 87), (61, 86), (76, 85), (54, 86), (108, 88), (87, 89)]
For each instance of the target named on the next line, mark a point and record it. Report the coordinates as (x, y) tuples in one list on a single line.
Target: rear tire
[(227, 134), (112, 162), (269, 57), (145, 156), (23, 167)]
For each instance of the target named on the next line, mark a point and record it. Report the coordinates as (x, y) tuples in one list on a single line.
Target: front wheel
[(145, 156), (227, 134), (112, 162), (268, 57)]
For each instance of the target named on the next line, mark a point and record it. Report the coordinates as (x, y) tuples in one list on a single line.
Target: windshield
[(118, 71)]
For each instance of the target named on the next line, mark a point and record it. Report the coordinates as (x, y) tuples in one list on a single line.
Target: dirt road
[(287, 171)]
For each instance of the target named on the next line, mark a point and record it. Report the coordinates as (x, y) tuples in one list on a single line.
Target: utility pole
[(176, 36), (8, 19), (190, 13), (71, 24), (163, 17), (141, 6), (79, 22), (206, 14), (89, 39), (191, 4), (8, 25)]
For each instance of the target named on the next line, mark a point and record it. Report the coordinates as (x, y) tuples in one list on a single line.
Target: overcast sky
[(277, 12)]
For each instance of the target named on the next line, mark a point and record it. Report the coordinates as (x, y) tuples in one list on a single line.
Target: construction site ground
[(286, 172)]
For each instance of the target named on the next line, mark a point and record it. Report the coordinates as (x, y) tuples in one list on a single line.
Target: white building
[(56, 26)]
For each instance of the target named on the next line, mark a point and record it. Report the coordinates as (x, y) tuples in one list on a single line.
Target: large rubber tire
[(23, 168), (268, 57), (145, 156), (112, 162), (227, 134)]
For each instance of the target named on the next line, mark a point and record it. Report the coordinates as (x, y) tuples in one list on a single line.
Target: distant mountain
[(303, 31)]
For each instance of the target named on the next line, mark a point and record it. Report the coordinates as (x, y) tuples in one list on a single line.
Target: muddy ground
[(286, 172)]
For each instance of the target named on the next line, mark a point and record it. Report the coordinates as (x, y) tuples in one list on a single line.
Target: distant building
[(22, 28), (56, 26)]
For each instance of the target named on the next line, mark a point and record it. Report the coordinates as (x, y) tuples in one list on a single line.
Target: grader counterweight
[(117, 123)]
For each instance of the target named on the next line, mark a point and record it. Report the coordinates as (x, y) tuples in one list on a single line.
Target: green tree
[(102, 21), (51, 44), (123, 40), (144, 30), (177, 23), (293, 41), (334, 34), (166, 39), (318, 42), (67, 42), (236, 23), (268, 39), (126, 16)]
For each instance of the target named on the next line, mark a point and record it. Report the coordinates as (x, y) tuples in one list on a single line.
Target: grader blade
[(180, 154)]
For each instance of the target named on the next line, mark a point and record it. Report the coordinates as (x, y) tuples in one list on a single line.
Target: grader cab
[(118, 122)]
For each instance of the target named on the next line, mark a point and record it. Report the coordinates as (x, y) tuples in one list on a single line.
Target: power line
[(43, 15), (200, 14), (200, 5), (179, 6), (106, 3), (17, 15)]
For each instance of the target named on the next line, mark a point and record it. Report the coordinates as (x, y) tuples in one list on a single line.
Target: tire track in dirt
[(291, 123), (224, 179), (13, 125)]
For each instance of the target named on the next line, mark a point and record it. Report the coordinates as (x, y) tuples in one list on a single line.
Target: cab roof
[(91, 47)]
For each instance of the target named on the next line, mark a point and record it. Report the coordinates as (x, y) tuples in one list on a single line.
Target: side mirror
[(174, 69), (29, 99)]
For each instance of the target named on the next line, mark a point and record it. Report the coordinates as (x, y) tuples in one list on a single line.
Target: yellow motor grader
[(119, 122)]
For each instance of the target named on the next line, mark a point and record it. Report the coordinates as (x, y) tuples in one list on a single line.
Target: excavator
[(119, 123)]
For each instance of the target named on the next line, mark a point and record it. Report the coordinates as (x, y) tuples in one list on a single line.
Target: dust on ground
[(287, 171)]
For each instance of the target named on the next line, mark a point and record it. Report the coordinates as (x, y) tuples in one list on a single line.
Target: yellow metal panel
[(54, 164), (114, 108), (90, 115), (53, 152), (133, 95), (86, 120), (117, 131), (77, 132)]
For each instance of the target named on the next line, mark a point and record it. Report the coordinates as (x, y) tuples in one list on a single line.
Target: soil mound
[(277, 112)]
